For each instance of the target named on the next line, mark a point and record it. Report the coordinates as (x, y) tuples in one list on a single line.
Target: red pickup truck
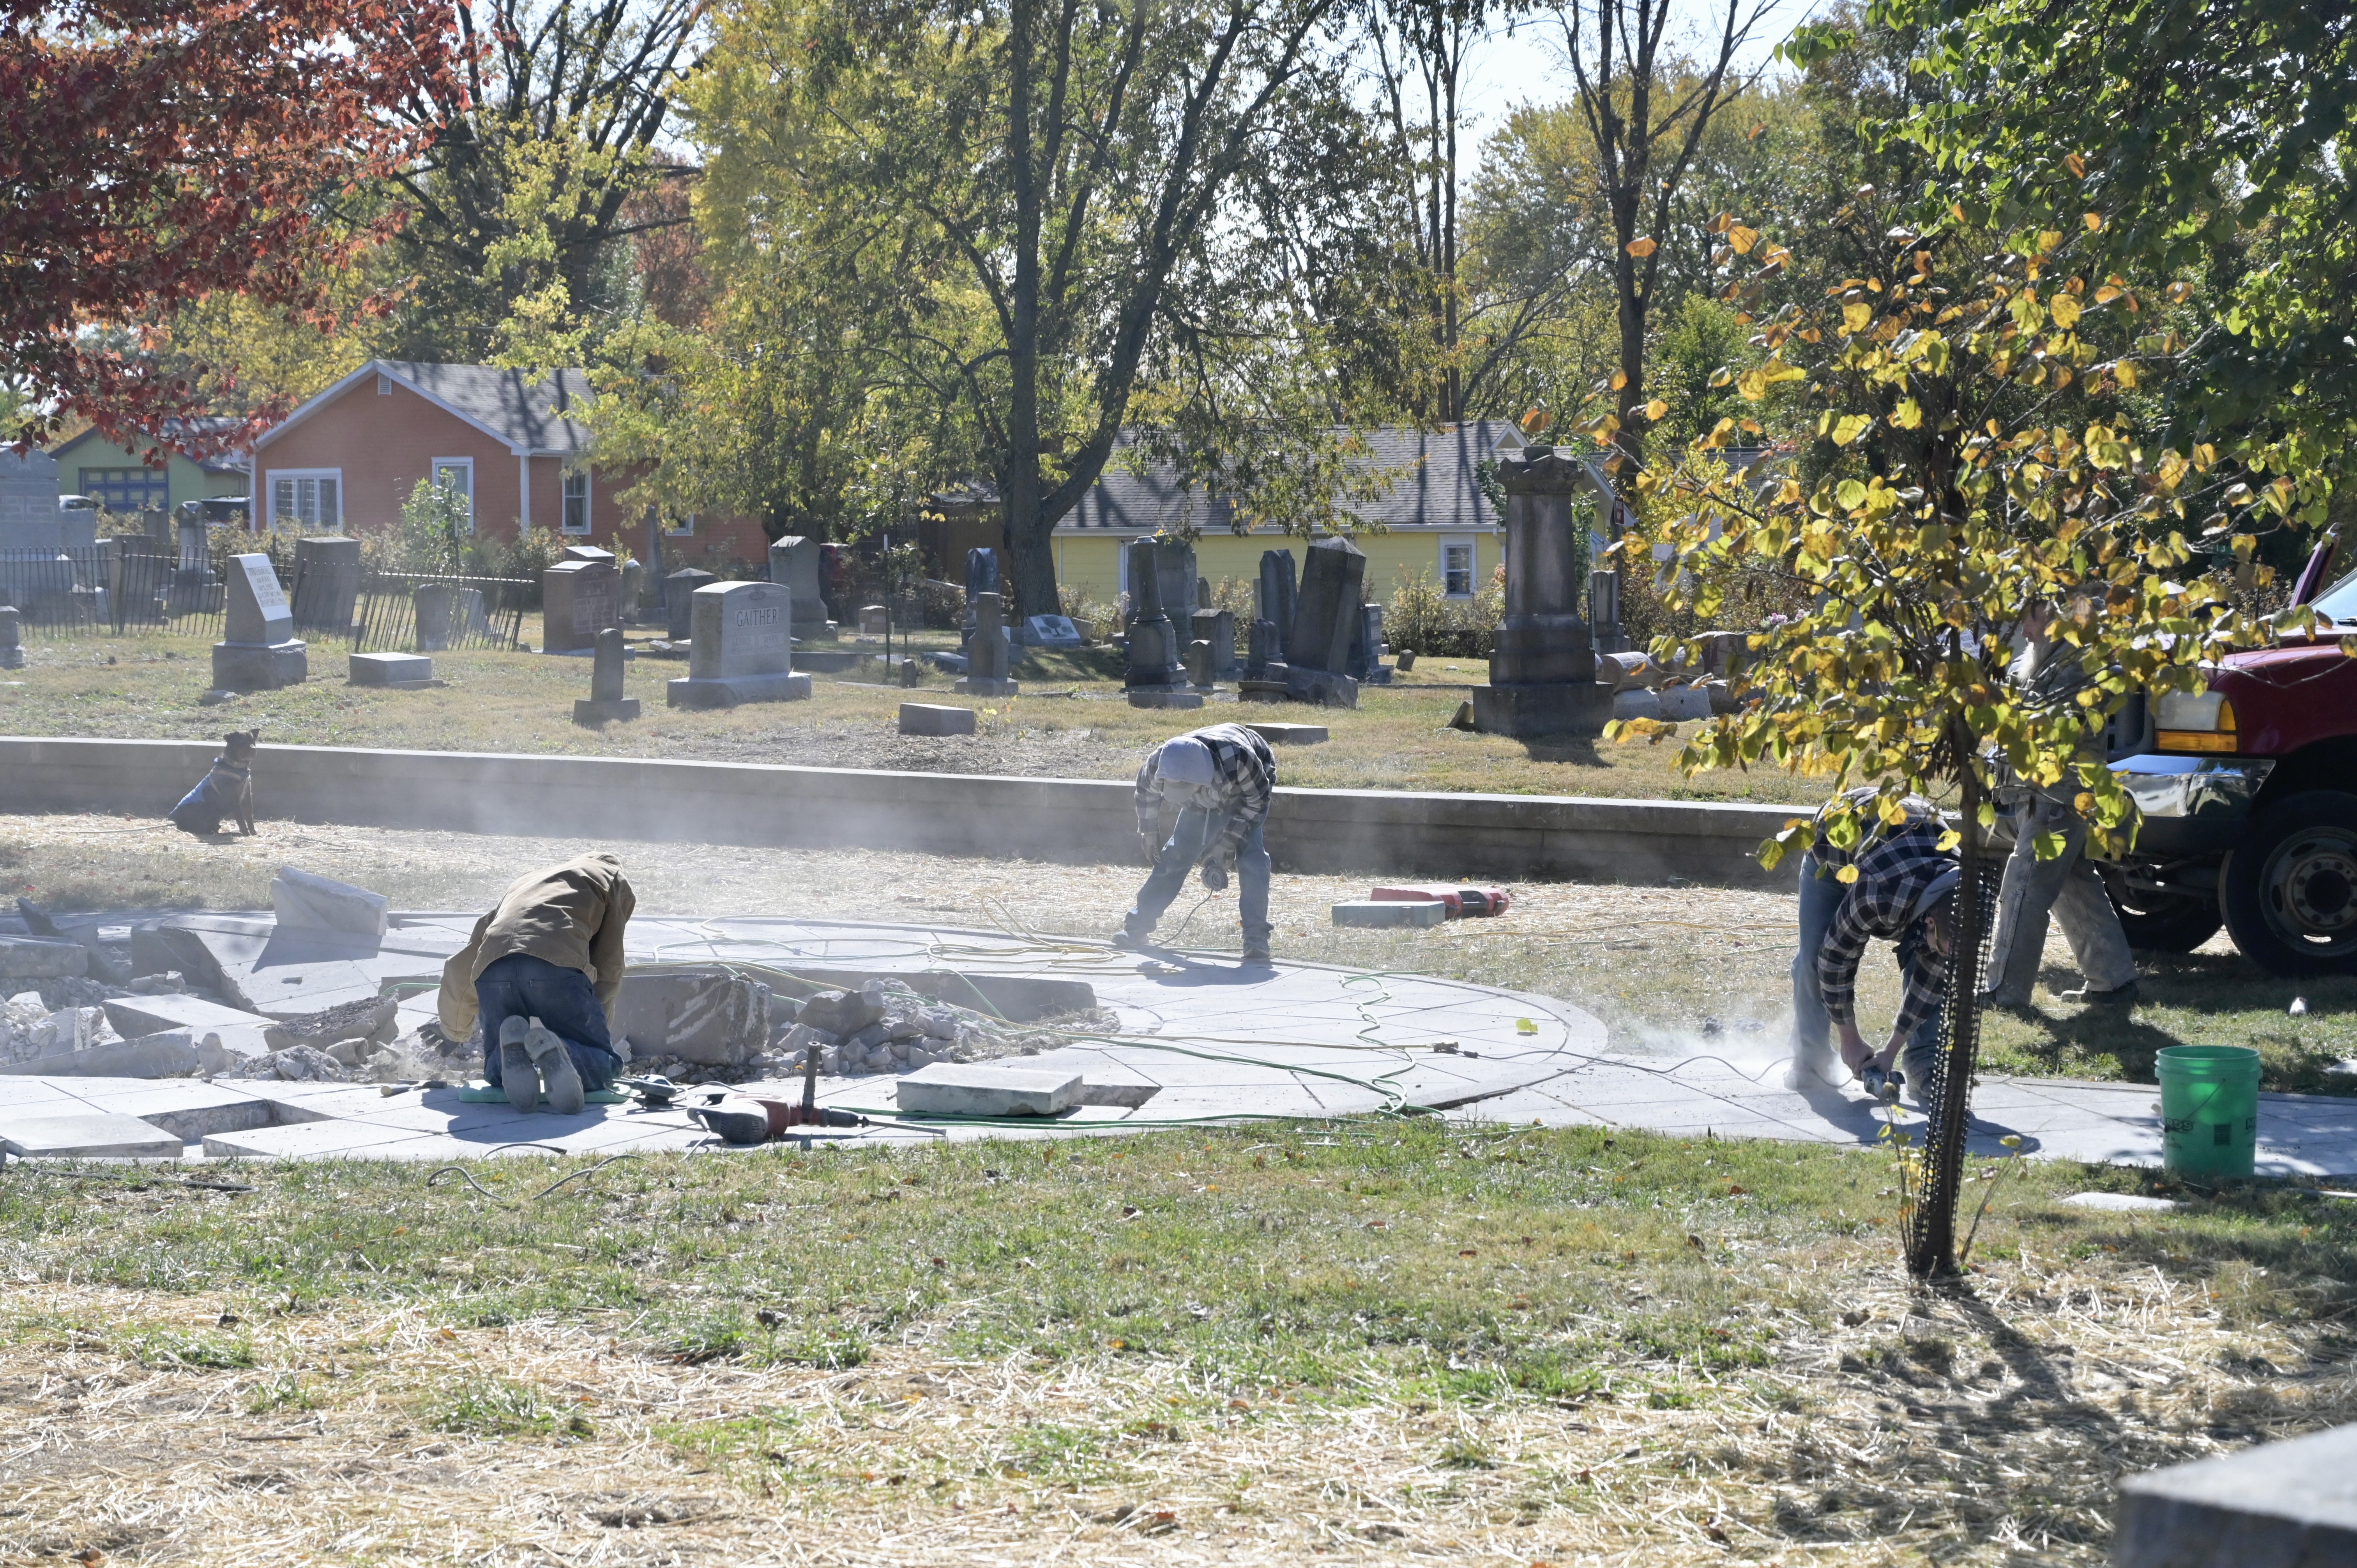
[(2247, 795)]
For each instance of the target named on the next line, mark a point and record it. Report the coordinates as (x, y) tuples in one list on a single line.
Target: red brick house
[(511, 444)]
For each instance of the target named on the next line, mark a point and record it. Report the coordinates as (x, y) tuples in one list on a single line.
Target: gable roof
[(1434, 482), (226, 463), (533, 416)]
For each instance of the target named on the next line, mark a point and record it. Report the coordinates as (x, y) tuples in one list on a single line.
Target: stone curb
[(1395, 832)]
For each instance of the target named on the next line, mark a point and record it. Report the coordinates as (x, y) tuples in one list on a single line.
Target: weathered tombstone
[(1053, 631), (1543, 669), (875, 620), (467, 616), (1174, 571), (1326, 620), (605, 702), (986, 650), (196, 587), (327, 582), (1367, 648), (1604, 613), (1217, 628), (1155, 678), (1198, 664), (390, 669), (589, 552), (576, 603), (795, 564), (12, 638), (679, 600), (1279, 598), (633, 588), (257, 651), (981, 577), (431, 603), (741, 648)]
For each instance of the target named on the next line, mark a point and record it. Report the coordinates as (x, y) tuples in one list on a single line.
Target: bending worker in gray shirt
[(1220, 778)]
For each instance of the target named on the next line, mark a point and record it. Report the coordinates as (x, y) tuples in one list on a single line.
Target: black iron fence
[(132, 586), (416, 612)]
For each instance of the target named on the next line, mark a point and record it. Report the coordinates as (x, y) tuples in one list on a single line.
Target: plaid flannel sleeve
[(1924, 975), (1837, 960), (1149, 796), (1247, 783)]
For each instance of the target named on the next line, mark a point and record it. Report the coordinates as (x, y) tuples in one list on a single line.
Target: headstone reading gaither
[(742, 649), (576, 603), (1326, 620), (257, 651), (605, 702), (1542, 667), (986, 650)]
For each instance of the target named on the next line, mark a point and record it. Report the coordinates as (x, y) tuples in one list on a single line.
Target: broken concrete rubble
[(41, 958)]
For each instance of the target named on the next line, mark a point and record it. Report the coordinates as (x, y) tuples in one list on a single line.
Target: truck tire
[(2164, 922), (2289, 888)]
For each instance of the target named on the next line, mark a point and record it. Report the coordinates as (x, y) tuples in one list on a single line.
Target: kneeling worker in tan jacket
[(543, 968)]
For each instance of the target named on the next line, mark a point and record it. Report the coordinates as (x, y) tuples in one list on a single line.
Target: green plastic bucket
[(2209, 1109)]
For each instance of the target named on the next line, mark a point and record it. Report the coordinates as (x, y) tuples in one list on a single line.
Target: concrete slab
[(2278, 1505), (390, 669), (167, 1055), (40, 958), (1385, 913), (992, 1089), (136, 1015), (86, 1134), (187, 1110), (932, 718)]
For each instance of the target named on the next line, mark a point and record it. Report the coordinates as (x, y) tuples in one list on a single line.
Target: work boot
[(2119, 997), (559, 1078), (1805, 1073), (1125, 938), (518, 1074), (1256, 955)]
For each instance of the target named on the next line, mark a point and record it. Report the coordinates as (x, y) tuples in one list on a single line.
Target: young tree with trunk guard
[(1980, 460), (152, 152)]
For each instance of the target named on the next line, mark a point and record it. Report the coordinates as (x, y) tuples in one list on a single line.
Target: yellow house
[(1431, 518), (119, 479)]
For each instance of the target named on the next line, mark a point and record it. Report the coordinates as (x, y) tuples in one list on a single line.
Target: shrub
[(1422, 619)]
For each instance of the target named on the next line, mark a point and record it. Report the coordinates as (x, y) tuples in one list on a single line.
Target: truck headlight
[(2195, 721)]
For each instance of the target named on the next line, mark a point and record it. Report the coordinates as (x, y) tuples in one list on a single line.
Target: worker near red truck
[(1220, 778), (1903, 893)]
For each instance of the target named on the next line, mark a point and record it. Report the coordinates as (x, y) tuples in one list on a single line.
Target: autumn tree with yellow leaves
[(1977, 455)]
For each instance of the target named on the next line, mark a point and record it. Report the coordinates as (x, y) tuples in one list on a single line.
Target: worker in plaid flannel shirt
[(1903, 894), (1220, 779)]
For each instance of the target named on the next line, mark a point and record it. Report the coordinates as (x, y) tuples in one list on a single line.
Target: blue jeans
[(1190, 837), (522, 986), (1821, 899)]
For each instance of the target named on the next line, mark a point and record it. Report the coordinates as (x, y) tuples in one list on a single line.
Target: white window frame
[(440, 465), (686, 529), (1472, 567), (565, 503), (299, 478)]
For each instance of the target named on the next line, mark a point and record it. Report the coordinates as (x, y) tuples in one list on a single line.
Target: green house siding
[(114, 475)]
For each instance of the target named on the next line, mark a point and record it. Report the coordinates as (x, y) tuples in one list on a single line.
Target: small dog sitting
[(226, 791)]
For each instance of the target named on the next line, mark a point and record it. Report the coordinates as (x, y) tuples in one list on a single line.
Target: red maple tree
[(152, 152)]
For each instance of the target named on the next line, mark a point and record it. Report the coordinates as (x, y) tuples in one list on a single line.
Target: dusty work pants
[(523, 986), (1813, 1029), (2065, 887), (1190, 837)]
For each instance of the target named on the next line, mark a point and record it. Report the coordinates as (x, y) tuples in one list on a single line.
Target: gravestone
[(1053, 631), (873, 620), (1218, 629), (576, 603), (1367, 648), (12, 638), (326, 583), (741, 648), (394, 670), (679, 600), (590, 554), (1543, 668), (1326, 620), (986, 650), (1199, 664), (257, 651), (981, 577), (605, 702), (1273, 605), (795, 564), (1175, 575), (1155, 677), (432, 604), (929, 718), (1604, 613), (196, 587), (633, 580)]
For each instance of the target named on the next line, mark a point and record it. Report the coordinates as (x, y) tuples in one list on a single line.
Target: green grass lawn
[(1069, 722), (1366, 1340)]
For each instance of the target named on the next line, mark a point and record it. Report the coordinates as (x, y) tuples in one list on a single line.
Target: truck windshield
[(2340, 601)]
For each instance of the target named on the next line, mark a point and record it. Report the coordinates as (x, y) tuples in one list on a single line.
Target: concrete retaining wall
[(1383, 832)]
